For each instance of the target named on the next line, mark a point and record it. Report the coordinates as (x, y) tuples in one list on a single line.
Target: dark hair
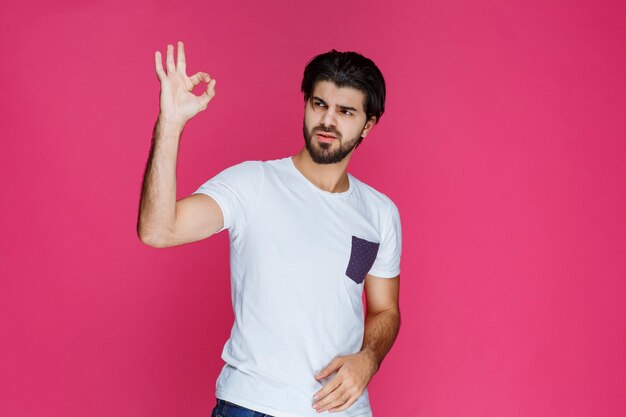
[(348, 69)]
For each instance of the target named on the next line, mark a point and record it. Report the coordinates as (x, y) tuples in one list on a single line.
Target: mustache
[(329, 129)]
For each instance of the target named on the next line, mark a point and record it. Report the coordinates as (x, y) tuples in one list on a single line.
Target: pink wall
[(503, 145)]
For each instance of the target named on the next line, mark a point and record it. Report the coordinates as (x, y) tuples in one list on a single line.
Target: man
[(305, 236)]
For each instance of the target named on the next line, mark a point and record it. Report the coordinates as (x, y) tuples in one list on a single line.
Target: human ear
[(368, 126)]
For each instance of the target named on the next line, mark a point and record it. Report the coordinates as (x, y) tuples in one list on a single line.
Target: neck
[(328, 177)]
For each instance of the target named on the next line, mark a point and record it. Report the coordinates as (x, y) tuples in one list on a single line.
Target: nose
[(329, 117)]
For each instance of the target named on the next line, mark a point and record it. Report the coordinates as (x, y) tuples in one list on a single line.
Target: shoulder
[(242, 171), (253, 173), (374, 197), (246, 167), (256, 166)]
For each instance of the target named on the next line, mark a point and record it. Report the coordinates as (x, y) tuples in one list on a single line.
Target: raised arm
[(162, 220)]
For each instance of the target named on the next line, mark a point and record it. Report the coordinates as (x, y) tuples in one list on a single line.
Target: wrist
[(170, 123), (371, 357)]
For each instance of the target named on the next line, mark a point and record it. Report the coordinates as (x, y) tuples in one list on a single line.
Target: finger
[(209, 93), (339, 403), (328, 388), (329, 369), (181, 64), (198, 77), (158, 64), (334, 399), (170, 60), (343, 404)]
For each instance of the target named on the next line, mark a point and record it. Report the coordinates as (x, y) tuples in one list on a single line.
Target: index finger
[(159, 65), (181, 64), (330, 386)]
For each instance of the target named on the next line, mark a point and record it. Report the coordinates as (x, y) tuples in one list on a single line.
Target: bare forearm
[(380, 333), (157, 208)]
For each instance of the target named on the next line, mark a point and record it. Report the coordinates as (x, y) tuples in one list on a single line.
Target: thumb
[(330, 368), (198, 77)]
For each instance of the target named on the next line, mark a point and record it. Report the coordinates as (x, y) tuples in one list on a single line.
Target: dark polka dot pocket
[(362, 257)]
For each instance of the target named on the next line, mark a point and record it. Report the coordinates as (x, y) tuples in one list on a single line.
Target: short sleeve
[(387, 263), (236, 190)]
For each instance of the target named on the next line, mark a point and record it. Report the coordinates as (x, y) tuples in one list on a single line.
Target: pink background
[(503, 145)]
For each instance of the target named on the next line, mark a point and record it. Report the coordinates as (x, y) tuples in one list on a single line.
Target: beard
[(323, 153)]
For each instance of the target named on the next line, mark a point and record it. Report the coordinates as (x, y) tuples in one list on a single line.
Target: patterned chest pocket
[(362, 257)]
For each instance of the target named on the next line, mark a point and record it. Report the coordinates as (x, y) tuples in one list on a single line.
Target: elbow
[(146, 239), (152, 242), (150, 239)]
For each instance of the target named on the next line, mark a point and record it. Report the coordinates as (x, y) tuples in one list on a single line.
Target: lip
[(325, 138)]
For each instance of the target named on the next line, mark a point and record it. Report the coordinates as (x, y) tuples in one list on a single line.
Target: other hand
[(178, 103), (353, 374)]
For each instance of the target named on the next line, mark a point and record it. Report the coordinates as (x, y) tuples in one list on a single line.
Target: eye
[(317, 103), (347, 112)]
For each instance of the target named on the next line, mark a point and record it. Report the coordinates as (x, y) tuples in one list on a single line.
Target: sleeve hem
[(221, 206), (378, 273)]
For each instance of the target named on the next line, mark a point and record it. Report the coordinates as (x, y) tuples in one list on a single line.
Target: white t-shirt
[(298, 258)]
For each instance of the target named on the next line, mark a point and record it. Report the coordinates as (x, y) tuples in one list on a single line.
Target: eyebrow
[(339, 105)]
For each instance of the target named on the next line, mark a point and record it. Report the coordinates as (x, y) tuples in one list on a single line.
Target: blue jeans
[(226, 409)]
